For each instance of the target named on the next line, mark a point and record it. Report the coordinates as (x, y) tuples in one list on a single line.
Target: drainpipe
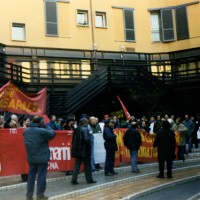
[(94, 46)]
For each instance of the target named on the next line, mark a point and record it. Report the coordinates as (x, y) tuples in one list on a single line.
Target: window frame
[(104, 19), (184, 27), (23, 29), (51, 22), (159, 31), (129, 29), (85, 13)]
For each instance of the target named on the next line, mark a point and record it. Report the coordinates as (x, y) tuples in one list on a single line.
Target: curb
[(118, 169), (115, 183), (161, 187)]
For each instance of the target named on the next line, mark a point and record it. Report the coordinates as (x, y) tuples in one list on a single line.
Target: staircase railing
[(85, 91)]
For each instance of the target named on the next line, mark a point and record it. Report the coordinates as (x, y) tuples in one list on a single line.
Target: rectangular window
[(155, 27), (100, 19), (18, 32), (129, 25), (82, 18), (167, 25), (181, 23), (164, 22), (51, 18)]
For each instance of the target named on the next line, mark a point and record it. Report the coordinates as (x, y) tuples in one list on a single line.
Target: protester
[(152, 122), (132, 140), (165, 141), (158, 124), (197, 129), (81, 151), (59, 122), (92, 130), (144, 127), (117, 122), (190, 126), (38, 154), (69, 125), (110, 147), (25, 124), (53, 124), (180, 128), (3, 124), (14, 121)]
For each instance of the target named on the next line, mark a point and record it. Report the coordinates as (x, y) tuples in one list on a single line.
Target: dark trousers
[(161, 162), (41, 171), (87, 168), (110, 160), (181, 152)]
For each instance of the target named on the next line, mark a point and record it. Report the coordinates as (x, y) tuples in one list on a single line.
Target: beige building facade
[(105, 25), (60, 43)]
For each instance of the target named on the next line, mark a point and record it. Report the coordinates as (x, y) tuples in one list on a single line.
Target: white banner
[(198, 134), (99, 150)]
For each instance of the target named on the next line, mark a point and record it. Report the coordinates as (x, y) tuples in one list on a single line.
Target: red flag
[(125, 110)]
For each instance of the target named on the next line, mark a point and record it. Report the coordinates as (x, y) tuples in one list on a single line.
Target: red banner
[(13, 154), (146, 152), (14, 100)]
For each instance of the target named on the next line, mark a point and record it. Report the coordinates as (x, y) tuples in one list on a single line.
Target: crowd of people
[(37, 134)]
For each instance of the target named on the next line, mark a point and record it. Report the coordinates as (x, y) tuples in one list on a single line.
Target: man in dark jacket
[(132, 140), (166, 143), (110, 147), (38, 154), (81, 151)]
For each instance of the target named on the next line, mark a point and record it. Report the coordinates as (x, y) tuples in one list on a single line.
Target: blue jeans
[(188, 143), (41, 171), (134, 158), (92, 153)]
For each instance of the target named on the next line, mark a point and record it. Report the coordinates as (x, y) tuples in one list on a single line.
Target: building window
[(155, 27), (129, 25), (18, 32), (182, 30), (82, 18), (100, 19), (51, 18), (163, 27), (167, 25)]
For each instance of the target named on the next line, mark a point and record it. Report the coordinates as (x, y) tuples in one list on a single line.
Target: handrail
[(10, 71)]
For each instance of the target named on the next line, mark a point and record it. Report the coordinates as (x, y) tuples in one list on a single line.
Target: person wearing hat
[(110, 145)]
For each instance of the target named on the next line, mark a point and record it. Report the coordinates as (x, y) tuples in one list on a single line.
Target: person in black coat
[(132, 140), (110, 145), (166, 143), (81, 151)]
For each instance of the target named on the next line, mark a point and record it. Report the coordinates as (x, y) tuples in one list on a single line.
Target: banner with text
[(14, 100), (13, 154)]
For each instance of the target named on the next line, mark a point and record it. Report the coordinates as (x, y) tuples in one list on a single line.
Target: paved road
[(179, 192)]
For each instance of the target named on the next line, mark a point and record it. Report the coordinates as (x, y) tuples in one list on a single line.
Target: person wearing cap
[(110, 145), (132, 140)]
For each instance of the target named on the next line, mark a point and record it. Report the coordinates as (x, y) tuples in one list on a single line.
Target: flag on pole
[(124, 109)]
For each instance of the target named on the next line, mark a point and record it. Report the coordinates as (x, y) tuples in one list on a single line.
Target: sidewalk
[(60, 185)]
